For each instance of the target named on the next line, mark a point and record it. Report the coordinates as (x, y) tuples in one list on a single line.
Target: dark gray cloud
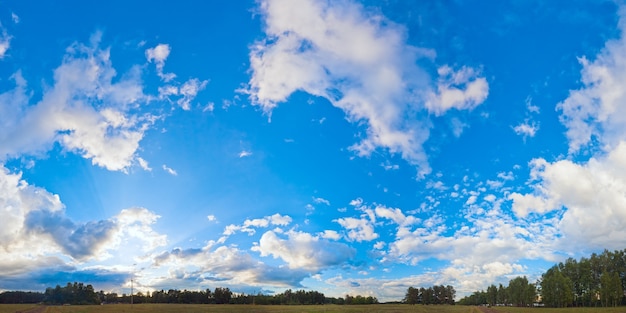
[(50, 277), (79, 241)]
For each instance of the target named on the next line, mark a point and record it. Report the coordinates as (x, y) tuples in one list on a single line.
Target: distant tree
[(222, 295), (412, 296), (14, 297)]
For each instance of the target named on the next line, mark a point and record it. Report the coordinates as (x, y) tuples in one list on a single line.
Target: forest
[(80, 294), (599, 280)]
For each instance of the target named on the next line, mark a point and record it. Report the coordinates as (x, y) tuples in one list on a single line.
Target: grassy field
[(207, 308), (204, 308), (563, 310), (6, 308)]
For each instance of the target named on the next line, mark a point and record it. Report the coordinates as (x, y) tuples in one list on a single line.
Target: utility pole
[(132, 277)]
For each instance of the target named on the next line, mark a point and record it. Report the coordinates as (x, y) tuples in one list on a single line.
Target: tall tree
[(556, 289)]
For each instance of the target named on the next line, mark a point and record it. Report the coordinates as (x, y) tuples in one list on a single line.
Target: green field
[(208, 308), (5, 308)]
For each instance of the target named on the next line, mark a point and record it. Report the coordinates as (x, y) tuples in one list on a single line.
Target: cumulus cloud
[(359, 229), (462, 90), (588, 195), (360, 63), (596, 110), (395, 215), (228, 265), (87, 110), (592, 196), (302, 250), (38, 233), (249, 226)]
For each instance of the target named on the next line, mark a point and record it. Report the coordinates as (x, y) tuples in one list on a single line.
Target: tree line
[(431, 295), (519, 292), (599, 280), (80, 294)]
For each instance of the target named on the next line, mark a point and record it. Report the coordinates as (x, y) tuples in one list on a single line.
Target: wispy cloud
[(144, 164), (170, 170), (5, 42), (319, 200), (244, 153), (529, 127)]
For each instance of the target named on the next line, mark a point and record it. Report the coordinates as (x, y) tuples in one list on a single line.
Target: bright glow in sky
[(341, 146)]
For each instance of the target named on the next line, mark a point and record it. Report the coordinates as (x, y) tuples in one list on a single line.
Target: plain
[(204, 308)]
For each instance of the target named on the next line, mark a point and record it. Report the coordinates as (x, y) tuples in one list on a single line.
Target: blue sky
[(346, 147)]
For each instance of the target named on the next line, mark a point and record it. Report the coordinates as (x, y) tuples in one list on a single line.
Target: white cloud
[(531, 107), (209, 107), (462, 90), (596, 110), (166, 91), (458, 127), (5, 42), (84, 111), (249, 225), (529, 127), (356, 202), (230, 266), (304, 251), (395, 215), (592, 195), (359, 62), (144, 164), (359, 229), (321, 201), (526, 129), (588, 195), (158, 55), (170, 170), (38, 232), (506, 175), (189, 90), (244, 153), (388, 166), (330, 234), (211, 218), (15, 18)]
